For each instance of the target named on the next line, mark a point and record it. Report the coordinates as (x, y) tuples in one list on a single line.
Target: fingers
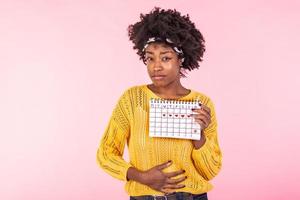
[(164, 165), (173, 184), (201, 113), (203, 109), (166, 191), (176, 181), (176, 173), (170, 186), (203, 121), (203, 116)]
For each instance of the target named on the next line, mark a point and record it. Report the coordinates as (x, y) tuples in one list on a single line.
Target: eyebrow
[(164, 52)]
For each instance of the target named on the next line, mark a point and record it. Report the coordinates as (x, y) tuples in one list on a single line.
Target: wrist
[(142, 177), (199, 143), (136, 175)]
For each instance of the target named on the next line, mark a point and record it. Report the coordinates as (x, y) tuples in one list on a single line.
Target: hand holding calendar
[(203, 116)]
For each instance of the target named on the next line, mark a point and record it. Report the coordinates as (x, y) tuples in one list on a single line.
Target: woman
[(162, 168)]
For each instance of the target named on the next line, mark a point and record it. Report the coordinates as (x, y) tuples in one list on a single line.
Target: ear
[(181, 60)]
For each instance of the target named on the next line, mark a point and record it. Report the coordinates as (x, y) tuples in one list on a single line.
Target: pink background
[(64, 64)]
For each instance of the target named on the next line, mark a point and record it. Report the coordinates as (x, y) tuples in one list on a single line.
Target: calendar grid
[(173, 119)]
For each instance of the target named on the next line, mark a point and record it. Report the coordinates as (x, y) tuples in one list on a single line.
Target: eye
[(147, 59), (166, 59)]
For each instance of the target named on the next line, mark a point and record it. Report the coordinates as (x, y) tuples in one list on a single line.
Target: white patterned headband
[(178, 50)]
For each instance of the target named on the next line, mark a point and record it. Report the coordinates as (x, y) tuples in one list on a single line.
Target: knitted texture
[(129, 124)]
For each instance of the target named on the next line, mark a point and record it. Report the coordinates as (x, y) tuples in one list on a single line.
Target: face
[(163, 64)]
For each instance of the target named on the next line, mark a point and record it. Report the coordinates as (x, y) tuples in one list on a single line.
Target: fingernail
[(169, 161), (183, 170)]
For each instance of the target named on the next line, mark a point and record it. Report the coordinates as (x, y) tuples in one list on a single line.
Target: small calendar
[(173, 119)]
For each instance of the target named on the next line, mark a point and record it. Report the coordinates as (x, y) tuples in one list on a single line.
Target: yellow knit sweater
[(129, 124)]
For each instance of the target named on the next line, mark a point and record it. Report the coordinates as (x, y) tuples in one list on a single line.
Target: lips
[(158, 77)]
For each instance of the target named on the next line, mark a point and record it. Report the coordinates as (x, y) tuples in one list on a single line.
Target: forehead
[(155, 46)]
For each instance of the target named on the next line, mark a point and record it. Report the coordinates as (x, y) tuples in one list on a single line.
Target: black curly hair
[(172, 25)]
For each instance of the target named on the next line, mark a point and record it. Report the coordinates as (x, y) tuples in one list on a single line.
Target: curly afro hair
[(172, 25)]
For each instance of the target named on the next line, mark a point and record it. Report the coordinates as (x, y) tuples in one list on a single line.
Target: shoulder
[(134, 88), (134, 91), (204, 99)]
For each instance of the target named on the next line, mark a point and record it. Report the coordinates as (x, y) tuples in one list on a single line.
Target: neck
[(172, 90)]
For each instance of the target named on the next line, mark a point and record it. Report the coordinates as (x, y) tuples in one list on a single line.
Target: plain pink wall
[(64, 64)]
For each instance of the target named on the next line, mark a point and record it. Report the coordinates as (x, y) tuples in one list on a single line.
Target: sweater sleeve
[(111, 148), (208, 158)]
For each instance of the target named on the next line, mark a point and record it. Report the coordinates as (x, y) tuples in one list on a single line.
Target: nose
[(157, 66)]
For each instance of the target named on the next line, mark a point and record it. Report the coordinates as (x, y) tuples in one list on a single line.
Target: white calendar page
[(172, 119)]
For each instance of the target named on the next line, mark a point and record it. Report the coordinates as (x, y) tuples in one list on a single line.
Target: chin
[(160, 85)]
